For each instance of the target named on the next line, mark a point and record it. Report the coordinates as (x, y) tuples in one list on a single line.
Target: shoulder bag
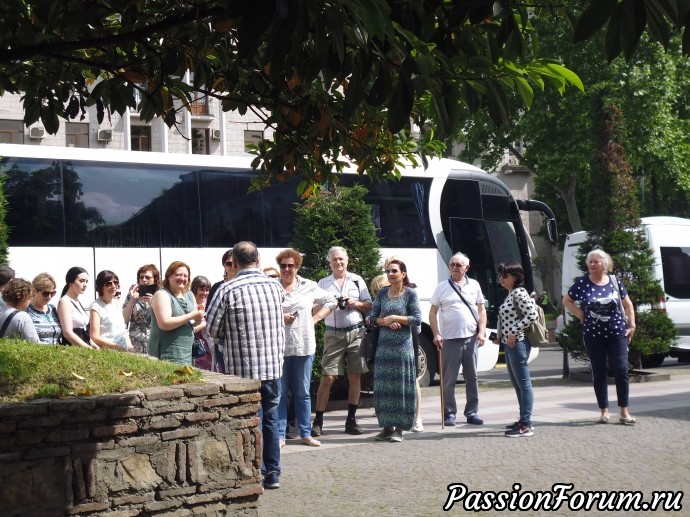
[(7, 322), (367, 348), (536, 333), (452, 284)]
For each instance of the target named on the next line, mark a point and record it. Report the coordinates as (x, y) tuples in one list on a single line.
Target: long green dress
[(395, 378), (174, 345)]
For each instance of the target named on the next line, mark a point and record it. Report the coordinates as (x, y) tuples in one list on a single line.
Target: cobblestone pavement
[(353, 475)]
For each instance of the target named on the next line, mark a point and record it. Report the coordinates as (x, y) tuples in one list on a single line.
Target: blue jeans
[(518, 371), (296, 378), (268, 425), (616, 347)]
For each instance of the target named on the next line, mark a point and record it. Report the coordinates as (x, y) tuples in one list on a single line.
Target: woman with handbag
[(608, 324), (74, 319), (395, 311), (515, 315), (301, 297), (175, 313)]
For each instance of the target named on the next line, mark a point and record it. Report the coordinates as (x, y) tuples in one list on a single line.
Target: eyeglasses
[(272, 276), (48, 294), (287, 266), (392, 271), (112, 282), (503, 275), (228, 263)]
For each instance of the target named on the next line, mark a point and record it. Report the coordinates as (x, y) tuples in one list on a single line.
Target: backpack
[(536, 333)]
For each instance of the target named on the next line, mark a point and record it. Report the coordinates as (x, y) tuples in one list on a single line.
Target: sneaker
[(351, 427), (384, 435), (449, 420), (271, 481), (418, 426), (520, 431), (316, 429), (475, 420), (515, 425), (397, 436)]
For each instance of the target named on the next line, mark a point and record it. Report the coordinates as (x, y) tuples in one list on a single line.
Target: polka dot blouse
[(601, 306), (515, 320)]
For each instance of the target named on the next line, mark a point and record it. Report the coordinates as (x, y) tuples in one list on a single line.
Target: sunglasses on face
[(287, 266), (228, 263), (272, 276), (48, 294), (145, 277), (110, 283), (392, 271)]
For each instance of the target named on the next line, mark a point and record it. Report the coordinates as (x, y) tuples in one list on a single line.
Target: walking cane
[(440, 373)]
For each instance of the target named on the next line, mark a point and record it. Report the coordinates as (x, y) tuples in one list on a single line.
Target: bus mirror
[(552, 230)]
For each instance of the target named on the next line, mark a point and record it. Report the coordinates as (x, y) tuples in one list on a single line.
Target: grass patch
[(29, 371)]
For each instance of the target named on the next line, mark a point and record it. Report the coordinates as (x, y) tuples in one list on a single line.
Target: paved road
[(357, 476)]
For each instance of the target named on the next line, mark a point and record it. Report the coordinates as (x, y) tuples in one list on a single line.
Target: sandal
[(603, 419), (309, 441), (629, 420), (282, 443)]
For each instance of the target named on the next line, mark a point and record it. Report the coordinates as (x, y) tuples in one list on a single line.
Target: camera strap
[(452, 284)]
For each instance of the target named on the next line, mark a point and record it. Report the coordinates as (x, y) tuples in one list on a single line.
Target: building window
[(77, 134), (11, 132), (199, 105), (200, 141), (252, 137), (141, 138)]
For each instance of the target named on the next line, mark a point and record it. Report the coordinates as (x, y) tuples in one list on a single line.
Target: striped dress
[(394, 364)]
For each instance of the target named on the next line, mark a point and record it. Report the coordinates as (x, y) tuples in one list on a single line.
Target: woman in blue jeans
[(301, 297), (515, 315), (604, 308)]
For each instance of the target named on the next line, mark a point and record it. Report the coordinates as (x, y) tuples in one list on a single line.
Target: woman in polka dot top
[(515, 315), (605, 329)]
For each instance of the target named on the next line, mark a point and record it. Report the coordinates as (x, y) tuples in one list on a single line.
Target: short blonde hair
[(378, 283), (44, 282)]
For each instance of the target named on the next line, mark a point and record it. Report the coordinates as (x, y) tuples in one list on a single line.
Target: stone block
[(157, 506), (72, 405), (239, 385), (202, 417), (67, 435), (133, 499), (23, 486), (115, 430), (136, 471), (44, 421), (92, 447), (159, 393), (180, 433), (181, 460), (7, 427), (89, 507), (221, 401), (12, 410), (135, 441), (132, 398), (197, 390), (159, 422), (250, 397), (129, 412), (46, 452), (176, 492), (244, 409), (98, 415), (159, 407)]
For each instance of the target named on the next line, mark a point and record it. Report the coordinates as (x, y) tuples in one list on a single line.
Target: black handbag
[(198, 349), (367, 348)]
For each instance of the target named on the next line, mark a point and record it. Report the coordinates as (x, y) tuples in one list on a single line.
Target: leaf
[(187, 370), (593, 18), (124, 373), (400, 105), (85, 392), (77, 376)]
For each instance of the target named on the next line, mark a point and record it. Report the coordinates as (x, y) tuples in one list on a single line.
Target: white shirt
[(455, 319), (112, 322), (354, 287), (300, 339)]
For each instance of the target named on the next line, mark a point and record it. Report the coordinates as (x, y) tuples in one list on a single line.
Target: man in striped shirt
[(245, 319)]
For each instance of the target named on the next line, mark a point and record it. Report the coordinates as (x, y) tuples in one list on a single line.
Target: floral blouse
[(139, 325)]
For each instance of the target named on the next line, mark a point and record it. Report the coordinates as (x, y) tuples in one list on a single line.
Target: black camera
[(342, 303)]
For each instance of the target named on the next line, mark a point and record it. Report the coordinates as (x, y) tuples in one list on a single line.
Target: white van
[(669, 238)]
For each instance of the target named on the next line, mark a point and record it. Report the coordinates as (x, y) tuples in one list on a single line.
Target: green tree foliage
[(337, 79), (337, 217), (616, 228)]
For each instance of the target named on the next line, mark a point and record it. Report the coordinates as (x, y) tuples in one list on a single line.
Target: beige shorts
[(341, 348)]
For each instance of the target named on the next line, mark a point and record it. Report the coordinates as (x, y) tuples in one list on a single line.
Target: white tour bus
[(669, 239), (102, 209)]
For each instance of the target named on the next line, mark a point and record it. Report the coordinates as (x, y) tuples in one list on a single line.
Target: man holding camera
[(463, 320), (344, 332)]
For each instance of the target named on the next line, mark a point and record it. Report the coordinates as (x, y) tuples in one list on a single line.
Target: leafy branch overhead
[(337, 79)]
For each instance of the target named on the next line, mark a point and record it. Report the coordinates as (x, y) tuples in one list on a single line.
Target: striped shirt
[(245, 319)]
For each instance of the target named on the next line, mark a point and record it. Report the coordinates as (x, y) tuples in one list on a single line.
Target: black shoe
[(520, 431), (351, 427), (475, 420), (516, 425), (316, 429), (271, 481)]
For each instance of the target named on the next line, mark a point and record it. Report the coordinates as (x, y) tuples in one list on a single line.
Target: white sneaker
[(418, 426)]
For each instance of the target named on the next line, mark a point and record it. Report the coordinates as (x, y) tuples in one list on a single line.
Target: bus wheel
[(427, 361)]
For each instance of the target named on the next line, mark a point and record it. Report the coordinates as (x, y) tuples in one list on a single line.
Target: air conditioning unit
[(215, 134), (36, 133), (513, 160), (105, 135)]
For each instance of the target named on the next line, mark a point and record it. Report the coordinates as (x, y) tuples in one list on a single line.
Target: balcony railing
[(199, 106)]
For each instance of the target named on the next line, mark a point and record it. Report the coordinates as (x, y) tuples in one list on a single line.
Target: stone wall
[(190, 449)]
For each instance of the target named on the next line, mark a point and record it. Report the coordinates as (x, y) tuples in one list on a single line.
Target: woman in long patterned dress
[(396, 310)]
